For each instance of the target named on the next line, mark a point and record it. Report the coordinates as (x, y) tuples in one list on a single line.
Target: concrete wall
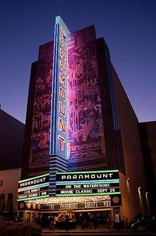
[(148, 140), (11, 141), (133, 201), (9, 184)]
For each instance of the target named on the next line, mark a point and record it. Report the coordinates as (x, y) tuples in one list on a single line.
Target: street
[(94, 232)]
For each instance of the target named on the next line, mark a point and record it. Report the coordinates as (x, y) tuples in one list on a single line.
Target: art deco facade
[(79, 120)]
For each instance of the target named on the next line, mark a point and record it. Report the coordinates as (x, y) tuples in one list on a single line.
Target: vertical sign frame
[(58, 145)]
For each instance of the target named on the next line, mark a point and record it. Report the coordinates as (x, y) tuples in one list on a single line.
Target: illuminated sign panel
[(87, 183), (83, 205), (33, 188), (59, 88)]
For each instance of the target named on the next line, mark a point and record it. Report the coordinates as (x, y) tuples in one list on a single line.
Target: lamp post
[(140, 198)]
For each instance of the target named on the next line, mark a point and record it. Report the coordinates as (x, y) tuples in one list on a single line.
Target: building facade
[(11, 154), (148, 137), (82, 143)]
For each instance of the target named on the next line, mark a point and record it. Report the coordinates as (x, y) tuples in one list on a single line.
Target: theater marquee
[(87, 183), (33, 188)]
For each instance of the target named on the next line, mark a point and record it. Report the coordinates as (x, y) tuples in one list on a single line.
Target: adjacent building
[(148, 141), (11, 154)]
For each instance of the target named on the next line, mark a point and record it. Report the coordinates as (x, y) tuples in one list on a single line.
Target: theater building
[(82, 150)]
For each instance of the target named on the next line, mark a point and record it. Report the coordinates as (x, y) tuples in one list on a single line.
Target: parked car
[(144, 223)]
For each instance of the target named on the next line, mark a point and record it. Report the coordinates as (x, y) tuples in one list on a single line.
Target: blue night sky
[(128, 26)]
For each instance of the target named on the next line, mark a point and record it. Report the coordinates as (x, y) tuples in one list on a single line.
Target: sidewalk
[(99, 229)]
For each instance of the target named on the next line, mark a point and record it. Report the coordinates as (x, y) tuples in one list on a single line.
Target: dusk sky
[(128, 27)]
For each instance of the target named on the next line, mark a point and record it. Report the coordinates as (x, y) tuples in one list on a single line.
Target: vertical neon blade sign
[(59, 91)]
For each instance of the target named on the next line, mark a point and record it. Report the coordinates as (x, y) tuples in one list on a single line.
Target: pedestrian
[(83, 221), (55, 222), (110, 221), (117, 220), (66, 222), (51, 226)]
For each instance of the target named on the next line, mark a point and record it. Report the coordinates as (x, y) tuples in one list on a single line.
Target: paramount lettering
[(32, 182), (62, 93), (62, 109), (62, 88), (62, 125), (62, 143), (87, 176)]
